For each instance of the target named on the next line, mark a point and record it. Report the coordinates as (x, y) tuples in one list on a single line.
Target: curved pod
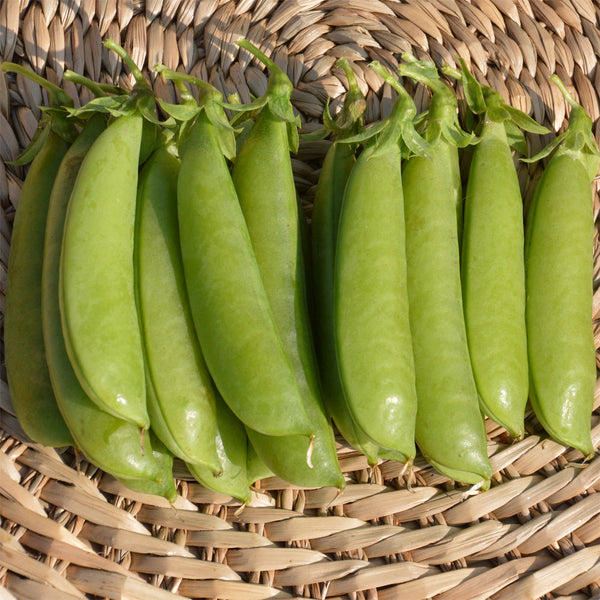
[(264, 181), (97, 290), (110, 443), (27, 371), (231, 312)]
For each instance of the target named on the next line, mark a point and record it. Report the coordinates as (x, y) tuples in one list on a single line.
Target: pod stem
[(140, 80), (557, 81), (207, 91), (270, 64), (279, 88), (98, 89), (57, 96), (407, 101)]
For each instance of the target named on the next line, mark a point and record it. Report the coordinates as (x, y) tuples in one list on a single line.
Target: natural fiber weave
[(70, 531)]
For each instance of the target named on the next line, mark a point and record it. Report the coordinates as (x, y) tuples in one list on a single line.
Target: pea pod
[(493, 267), (559, 275), (372, 329), (97, 285), (108, 442), (181, 397), (264, 181), (335, 171), (450, 429), (230, 309), (232, 448), (29, 380)]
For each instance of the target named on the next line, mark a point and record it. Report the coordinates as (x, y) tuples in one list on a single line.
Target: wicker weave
[(71, 531)]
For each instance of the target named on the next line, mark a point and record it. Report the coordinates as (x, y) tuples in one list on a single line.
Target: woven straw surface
[(70, 531)]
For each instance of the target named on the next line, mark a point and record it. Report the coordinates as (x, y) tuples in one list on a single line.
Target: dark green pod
[(336, 168), (27, 371)]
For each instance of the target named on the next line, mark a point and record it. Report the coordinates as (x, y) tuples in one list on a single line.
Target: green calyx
[(114, 100), (397, 128), (277, 98), (577, 139), (350, 119), (442, 117), (54, 117), (210, 102), (489, 104)]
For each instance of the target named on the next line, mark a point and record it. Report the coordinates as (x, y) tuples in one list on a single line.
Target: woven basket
[(71, 531)]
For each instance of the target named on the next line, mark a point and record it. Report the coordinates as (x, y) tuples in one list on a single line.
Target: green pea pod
[(493, 268), (97, 291), (493, 276), (559, 276), (335, 170), (27, 371), (108, 442), (231, 312), (372, 329), (181, 397), (161, 485), (232, 448), (263, 178), (450, 430)]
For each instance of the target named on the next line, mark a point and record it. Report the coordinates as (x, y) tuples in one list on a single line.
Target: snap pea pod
[(450, 430), (97, 281), (181, 397), (108, 442), (372, 329), (559, 275), (493, 278), (492, 266), (97, 292), (232, 448), (335, 170), (230, 309), (264, 181), (27, 371)]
